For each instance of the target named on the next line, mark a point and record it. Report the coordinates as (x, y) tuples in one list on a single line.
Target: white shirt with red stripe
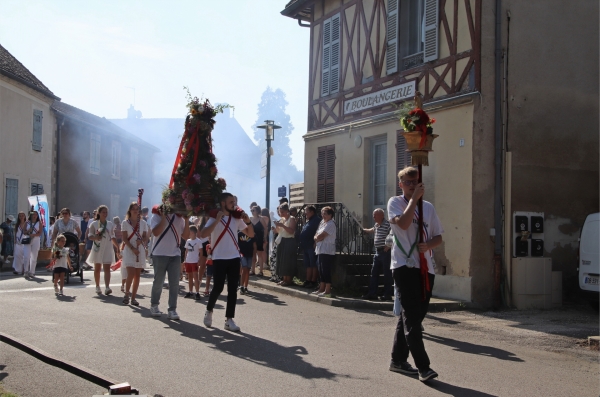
[(228, 247), (169, 244), (431, 227)]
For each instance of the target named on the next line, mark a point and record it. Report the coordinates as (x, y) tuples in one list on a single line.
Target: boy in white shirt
[(192, 260), (413, 283)]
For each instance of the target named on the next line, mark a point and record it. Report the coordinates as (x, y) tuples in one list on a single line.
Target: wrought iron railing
[(350, 237)]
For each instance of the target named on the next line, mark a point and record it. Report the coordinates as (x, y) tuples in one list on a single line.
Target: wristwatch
[(249, 223)]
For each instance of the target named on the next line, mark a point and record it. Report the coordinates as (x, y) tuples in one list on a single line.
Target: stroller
[(73, 245)]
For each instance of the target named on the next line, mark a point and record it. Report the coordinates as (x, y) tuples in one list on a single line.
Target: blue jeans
[(163, 265), (381, 259)]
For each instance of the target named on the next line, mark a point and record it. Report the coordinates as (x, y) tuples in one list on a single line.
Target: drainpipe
[(498, 158), (59, 124)]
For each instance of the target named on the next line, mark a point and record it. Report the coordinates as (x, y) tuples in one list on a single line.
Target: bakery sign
[(373, 99)]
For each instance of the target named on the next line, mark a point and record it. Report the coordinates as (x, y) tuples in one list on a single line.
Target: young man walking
[(411, 286), (167, 230), (223, 231)]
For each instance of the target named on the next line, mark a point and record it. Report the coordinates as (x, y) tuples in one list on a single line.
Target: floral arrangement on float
[(418, 130), (195, 185)]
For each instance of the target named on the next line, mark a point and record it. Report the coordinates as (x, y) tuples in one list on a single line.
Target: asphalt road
[(288, 346)]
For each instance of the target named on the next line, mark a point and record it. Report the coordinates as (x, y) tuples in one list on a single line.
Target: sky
[(90, 53)]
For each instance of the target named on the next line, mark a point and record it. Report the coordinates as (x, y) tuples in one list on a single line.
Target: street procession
[(345, 198)]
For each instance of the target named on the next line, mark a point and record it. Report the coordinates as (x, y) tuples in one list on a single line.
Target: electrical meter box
[(528, 234)]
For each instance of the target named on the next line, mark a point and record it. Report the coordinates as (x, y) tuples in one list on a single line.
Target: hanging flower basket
[(413, 139)]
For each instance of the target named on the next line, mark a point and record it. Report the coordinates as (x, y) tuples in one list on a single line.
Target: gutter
[(498, 186), (431, 106), (28, 84)]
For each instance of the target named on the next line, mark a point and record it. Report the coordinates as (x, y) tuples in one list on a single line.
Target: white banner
[(392, 94)]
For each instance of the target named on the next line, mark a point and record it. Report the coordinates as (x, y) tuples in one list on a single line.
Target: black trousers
[(408, 336), (230, 269)]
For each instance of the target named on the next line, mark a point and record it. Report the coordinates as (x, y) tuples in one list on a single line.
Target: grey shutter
[(326, 65), (403, 158), (37, 130), (12, 196), (391, 54), (430, 52), (36, 189), (334, 72)]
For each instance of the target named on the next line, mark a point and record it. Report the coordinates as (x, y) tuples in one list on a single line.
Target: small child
[(192, 260), (209, 269), (62, 262), (246, 245)]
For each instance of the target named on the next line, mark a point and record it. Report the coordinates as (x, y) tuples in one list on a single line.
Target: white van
[(589, 259)]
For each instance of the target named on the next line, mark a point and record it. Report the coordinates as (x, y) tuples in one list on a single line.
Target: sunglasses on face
[(411, 182)]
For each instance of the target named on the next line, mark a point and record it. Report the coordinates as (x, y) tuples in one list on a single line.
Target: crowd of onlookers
[(277, 242)]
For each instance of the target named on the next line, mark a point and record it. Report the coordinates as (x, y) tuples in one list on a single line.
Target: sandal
[(206, 293), (126, 299), (260, 274), (134, 302)]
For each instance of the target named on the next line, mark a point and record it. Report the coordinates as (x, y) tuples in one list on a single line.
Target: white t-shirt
[(62, 261), (327, 245), (431, 226), (228, 245), (192, 249), (169, 245)]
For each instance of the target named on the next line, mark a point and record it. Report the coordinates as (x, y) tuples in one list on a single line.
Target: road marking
[(66, 287)]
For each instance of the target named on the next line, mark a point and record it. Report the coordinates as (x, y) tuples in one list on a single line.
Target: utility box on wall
[(528, 234), (535, 285)]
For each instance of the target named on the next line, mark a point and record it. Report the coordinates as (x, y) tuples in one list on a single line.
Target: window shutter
[(326, 174), (431, 31), (334, 72), (12, 198), (326, 66), (330, 174), (36, 189), (402, 158), (37, 130), (391, 54)]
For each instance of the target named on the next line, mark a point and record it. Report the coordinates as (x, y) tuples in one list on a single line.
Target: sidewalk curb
[(435, 305)]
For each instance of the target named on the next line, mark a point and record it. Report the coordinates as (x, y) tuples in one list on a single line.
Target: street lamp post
[(269, 128)]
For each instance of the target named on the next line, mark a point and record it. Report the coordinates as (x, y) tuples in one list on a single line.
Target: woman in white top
[(35, 231), (325, 249), (287, 248), (102, 232), (65, 224), (21, 255), (135, 237)]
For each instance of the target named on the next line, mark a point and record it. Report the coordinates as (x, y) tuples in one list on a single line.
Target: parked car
[(589, 259)]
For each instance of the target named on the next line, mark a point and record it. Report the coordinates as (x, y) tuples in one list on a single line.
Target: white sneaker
[(172, 315), (321, 293), (230, 325), (98, 291), (155, 311), (107, 291), (61, 292), (56, 289), (208, 319)]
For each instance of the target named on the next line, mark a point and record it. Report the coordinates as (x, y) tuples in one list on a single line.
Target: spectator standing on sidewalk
[(287, 248), (168, 230), (307, 246), (382, 258), (223, 231), (403, 214), (8, 238), (325, 249)]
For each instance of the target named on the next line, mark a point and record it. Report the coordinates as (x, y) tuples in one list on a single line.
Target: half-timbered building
[(367, 56)]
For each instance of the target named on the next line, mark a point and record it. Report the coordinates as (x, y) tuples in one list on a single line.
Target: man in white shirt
[(414, 287), (168, 230), (223, 231)]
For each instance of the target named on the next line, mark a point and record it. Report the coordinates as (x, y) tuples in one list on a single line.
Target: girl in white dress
[(135, 237), (102, 233), (21, 255), (35, 228)]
